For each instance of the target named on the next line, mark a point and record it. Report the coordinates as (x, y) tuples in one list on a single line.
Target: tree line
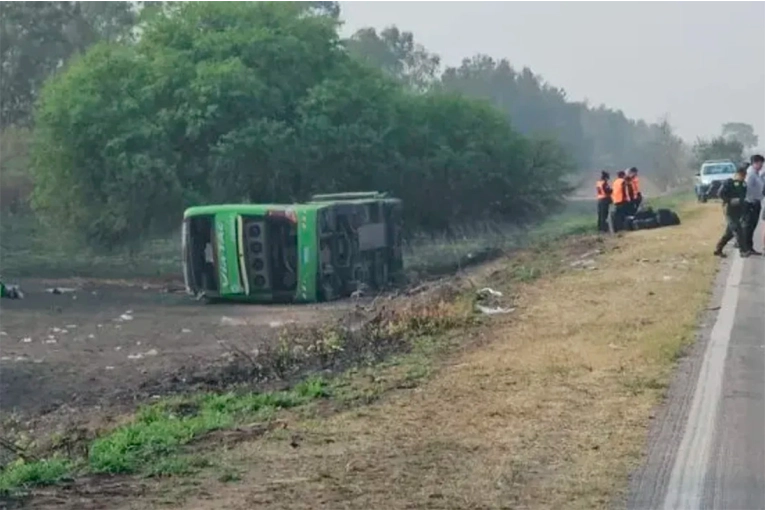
[(138, 110)]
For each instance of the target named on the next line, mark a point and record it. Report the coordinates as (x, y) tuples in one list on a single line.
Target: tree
[(397, 54), (260, 101), (740, 132), (533, 107), (37, 38), (717, 148), (669, 156)]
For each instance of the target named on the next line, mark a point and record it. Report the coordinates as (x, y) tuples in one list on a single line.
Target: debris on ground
[(61, 290), (141, 355), (228, 321), (493, 311), (488, 302), (10, 291), (124, 317), (486, 291)]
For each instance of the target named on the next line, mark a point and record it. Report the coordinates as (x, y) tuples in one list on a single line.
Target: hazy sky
[(701, 63)]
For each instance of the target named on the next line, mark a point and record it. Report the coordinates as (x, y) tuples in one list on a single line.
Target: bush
[(228, 102)]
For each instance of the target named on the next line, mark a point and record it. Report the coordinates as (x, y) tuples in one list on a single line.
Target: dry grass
[(550, 411)]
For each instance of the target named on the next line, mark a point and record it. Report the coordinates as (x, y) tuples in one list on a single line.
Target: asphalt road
[(707, 446)]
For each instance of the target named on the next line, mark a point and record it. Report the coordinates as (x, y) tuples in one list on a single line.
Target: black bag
[(645, 214), (645, 224), (667, 217)]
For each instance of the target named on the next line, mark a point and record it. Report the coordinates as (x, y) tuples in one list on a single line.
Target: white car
[(711, 176)]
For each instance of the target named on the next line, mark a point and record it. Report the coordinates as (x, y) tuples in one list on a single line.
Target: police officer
[(603, 193), (733, 195)]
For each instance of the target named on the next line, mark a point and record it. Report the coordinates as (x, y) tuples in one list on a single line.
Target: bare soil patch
[(99, 342)]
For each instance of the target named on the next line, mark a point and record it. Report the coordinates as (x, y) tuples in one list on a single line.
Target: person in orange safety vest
[(603, 193), (621, 193), (637, 196)]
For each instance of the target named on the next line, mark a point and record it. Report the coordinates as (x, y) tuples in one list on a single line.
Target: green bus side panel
[(308, 255), (228, 260)]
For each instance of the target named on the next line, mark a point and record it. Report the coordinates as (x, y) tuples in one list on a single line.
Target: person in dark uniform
[(733, 196), (603, 193)]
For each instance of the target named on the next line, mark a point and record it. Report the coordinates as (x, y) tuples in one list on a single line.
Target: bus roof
[(257, 209)]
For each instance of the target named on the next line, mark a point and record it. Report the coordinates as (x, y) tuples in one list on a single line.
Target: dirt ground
[(100, 341)]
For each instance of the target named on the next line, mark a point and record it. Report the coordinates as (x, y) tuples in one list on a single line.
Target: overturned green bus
[(321, 250)]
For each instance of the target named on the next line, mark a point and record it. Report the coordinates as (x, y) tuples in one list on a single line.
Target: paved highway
[(707, 447)]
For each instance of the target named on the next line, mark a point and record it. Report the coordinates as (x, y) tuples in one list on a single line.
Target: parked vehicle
[(710, 177), (321, 250)]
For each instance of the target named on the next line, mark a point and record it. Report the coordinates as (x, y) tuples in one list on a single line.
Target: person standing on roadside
[(637, 196), (603, 193), (754, 194), (733, 195), (620, 196)]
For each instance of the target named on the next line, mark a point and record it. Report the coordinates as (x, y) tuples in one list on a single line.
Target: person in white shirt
[(755, 189)]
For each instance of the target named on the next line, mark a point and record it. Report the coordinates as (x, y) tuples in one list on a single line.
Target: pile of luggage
[(648, 218)]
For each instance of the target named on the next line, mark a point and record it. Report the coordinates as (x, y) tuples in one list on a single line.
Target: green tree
[(717, 148), (533, 107), (741, 132), (260, 101), (37, 38), (397, 54)]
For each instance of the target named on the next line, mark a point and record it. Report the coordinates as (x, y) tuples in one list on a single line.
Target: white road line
[(686, 483)]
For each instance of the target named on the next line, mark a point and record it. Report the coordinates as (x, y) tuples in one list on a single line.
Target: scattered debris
[(278, 324), (141, 355), (584, 264), (488, 302), (229, 321), (11, 291), (493, 311), (486, 291), (61, 290)]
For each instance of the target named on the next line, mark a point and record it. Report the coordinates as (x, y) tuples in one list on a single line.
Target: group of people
[(742, 203), (623, 193)]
